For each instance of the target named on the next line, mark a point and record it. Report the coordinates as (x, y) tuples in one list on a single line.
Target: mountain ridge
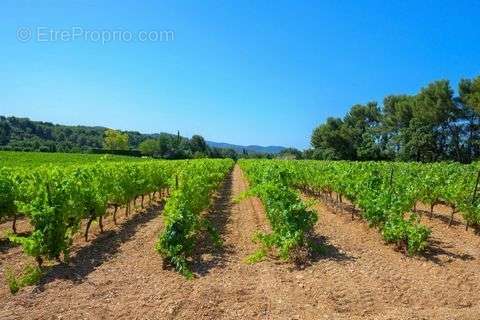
[(249, 148)]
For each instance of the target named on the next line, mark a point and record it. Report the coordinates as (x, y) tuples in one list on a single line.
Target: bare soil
[(118, 275)]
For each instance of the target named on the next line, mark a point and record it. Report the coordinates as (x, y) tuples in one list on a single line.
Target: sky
[(242, 72)]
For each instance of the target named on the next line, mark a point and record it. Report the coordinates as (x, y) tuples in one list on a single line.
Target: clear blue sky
[(244, 72)]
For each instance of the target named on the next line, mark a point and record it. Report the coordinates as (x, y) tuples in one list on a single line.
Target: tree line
[(23, 134), (433, 125), (176, 147)]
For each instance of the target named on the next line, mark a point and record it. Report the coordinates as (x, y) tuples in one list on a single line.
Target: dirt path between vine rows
[(380, 283), (120, 276)]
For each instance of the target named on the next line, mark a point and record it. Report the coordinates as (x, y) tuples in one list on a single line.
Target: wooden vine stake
[(451, 215), (474, 195)]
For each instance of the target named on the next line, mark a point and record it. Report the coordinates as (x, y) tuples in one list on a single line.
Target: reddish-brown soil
[(118, 275)]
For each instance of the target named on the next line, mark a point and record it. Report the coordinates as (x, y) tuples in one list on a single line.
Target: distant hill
[(249, 149), (23, 134)]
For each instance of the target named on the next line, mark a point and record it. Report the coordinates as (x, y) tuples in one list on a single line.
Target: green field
[(35, 159)]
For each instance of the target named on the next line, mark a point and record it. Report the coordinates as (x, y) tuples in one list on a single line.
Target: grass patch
[(29, 276), (257, 256)]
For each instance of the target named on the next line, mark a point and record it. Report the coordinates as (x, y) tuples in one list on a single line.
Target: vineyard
[(254, 239), (57, 198), (387, 193), (35, 159)]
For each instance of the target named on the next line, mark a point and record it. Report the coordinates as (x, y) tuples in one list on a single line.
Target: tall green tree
[(361, 127), (397, 114), (149, 147), (469, 99), (115, 140), (5, 132), (435, 116), (330, 141), (198, 144)]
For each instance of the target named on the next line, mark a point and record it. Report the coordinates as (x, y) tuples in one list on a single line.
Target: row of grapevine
[(451, 184), (386, 193), (56, 199), (183, 217), (7, 196), (377, 189), (290, 220)]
